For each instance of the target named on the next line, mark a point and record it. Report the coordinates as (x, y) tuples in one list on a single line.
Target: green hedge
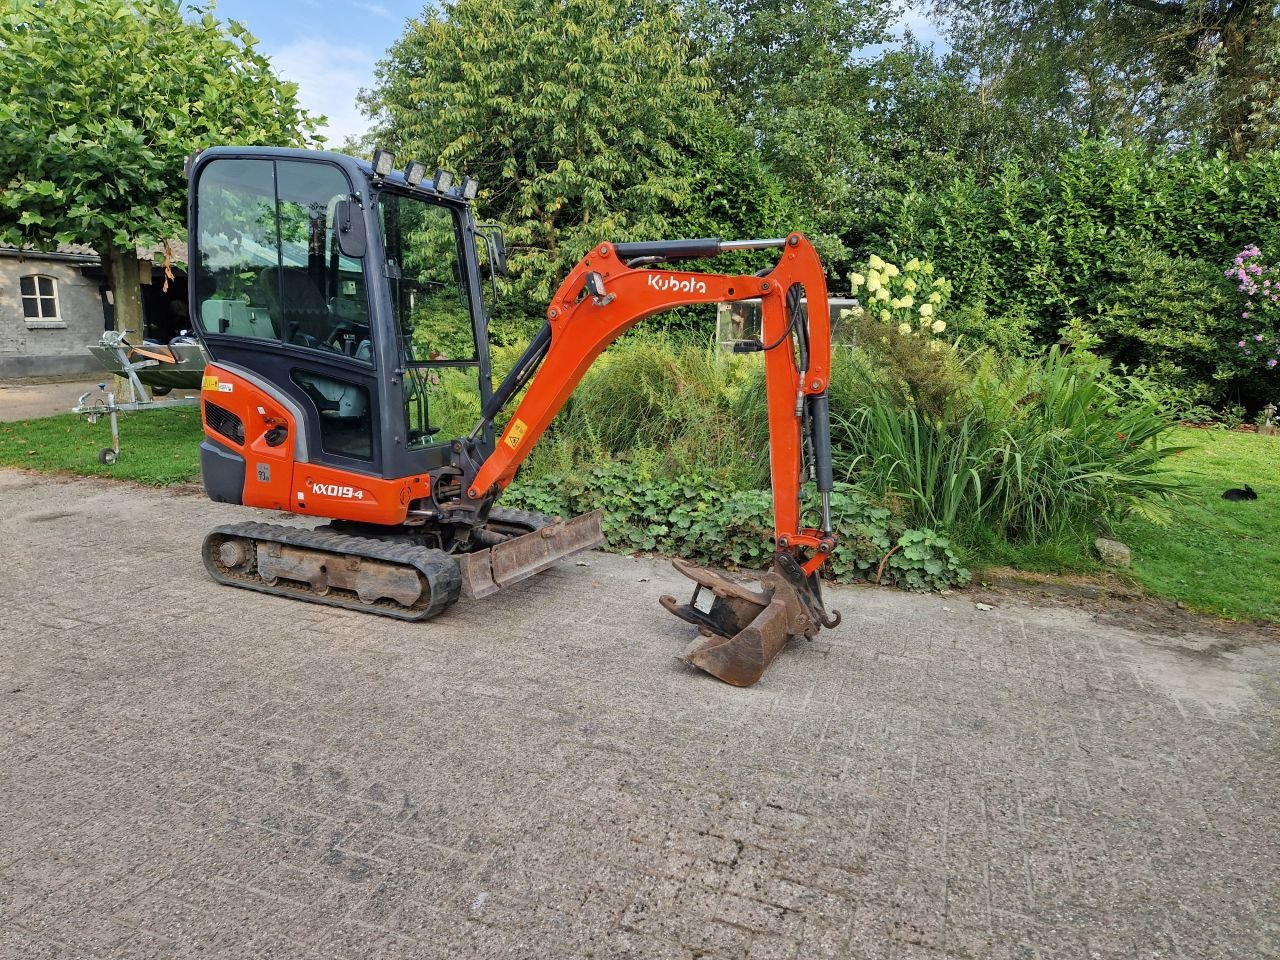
[(1122, 247)]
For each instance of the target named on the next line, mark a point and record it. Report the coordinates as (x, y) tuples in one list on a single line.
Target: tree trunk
[(122, 276)]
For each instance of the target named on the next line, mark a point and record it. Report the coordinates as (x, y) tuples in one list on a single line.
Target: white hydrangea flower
[(875, 263), (926, 309), (904, 328), (938, 326), (857, 280)]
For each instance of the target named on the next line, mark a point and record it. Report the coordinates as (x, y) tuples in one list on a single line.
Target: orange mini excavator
[(342, 304)]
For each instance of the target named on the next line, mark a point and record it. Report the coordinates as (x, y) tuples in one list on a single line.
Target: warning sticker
[(515, 433), (209, 383)]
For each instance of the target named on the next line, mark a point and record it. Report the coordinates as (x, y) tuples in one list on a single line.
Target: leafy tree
[(101, 101), (575, 116), (787, 72), (1135, 71)]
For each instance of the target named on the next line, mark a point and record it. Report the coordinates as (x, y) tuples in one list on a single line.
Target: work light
[(414, 172), (384, 162), (444, 180), (470, 187)]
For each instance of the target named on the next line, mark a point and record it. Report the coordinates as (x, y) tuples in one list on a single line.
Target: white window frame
[(41, 322)]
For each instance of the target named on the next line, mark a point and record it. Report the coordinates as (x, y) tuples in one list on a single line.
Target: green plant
[(1128, 243), (924, 561), (1036, 447), (705, 520)]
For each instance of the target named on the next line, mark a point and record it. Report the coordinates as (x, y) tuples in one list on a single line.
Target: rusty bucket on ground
[(741, 629)]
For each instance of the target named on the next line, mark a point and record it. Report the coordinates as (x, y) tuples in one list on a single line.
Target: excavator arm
[(611, 290), (605, 296)]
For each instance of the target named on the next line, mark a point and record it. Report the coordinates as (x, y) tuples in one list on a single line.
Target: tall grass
[(1031, 451), (676, 404)]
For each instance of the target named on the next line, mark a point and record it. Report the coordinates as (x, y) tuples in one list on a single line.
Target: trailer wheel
[(107, 456), (161, 391)]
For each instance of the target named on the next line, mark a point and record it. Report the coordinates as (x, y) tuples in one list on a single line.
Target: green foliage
[(701, 518), (575, 115), (1150, 72), (925, 562), (1127, 248), (101, 101), (1031, 448), (672, 402)]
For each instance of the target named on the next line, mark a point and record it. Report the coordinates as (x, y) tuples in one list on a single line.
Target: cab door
[(280, 305)]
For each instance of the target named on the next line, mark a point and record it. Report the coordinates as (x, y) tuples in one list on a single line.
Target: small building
[(54, 305)]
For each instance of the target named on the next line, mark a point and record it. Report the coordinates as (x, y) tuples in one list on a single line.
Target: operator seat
[(303, 317)]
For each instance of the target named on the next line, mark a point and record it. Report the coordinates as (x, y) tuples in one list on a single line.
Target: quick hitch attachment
[(741, 629)]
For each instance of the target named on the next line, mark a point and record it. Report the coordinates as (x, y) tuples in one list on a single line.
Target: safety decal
[(515, 433), (209, 383)]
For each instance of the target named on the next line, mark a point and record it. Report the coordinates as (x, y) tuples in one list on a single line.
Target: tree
[(1149, 72), (788, 72), (574, 115), (101, 101)]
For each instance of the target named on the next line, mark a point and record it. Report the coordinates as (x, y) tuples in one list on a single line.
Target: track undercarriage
[(392, 573)]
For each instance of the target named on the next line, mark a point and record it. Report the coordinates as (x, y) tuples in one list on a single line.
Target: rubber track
[(441, 572)]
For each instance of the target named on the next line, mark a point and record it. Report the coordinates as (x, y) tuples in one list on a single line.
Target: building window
[(39, 298)]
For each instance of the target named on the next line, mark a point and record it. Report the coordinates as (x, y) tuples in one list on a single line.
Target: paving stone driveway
[(188, 770)]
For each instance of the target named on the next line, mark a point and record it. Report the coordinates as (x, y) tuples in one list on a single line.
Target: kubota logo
[(669, 281), (334, 490)]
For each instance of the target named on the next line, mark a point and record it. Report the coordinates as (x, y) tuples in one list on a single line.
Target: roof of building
[(83, 253)]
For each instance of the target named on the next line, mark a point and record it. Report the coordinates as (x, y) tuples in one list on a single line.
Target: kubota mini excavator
[(342, 305)]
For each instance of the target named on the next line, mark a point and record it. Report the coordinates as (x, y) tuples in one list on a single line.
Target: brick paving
[(188, 770)]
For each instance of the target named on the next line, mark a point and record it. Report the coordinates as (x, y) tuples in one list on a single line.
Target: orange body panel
[(583, 326), (274, 480)]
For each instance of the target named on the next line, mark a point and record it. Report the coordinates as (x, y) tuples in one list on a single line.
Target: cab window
[(267, 260)]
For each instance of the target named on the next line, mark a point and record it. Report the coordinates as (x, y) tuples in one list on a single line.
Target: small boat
[(179, 364)]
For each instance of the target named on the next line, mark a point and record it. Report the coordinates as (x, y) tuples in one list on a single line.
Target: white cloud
[(328, 76)]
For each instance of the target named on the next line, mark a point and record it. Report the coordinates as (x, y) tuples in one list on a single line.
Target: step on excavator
[(343, 307)]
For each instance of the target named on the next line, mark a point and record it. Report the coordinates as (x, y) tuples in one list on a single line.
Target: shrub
[(1258, 283), (1033, 447), (675, 403), (1131, 243), (703, 519)]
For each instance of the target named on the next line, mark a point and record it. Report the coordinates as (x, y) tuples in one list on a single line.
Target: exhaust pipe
[(741, 629)]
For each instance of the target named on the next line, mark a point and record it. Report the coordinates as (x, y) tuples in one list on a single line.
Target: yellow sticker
[(515, 433), (209, 383)]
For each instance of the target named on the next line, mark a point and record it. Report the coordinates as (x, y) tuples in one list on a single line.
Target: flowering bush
[(910, 298), (1260, 284)]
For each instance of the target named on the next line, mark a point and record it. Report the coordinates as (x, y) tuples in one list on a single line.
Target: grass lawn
[(157, 447), (1218, 556)]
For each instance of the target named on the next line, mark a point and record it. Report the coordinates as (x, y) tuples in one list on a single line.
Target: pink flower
[(1240, 344), (1258, 338), (1271, 363)]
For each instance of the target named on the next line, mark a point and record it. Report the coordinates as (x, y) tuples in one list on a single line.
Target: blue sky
[(329, 47)]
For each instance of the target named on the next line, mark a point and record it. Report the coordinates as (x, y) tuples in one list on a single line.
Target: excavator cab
[(342, 305)]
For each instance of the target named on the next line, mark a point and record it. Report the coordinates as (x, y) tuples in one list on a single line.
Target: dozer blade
[(743, 629), (488, 571)]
